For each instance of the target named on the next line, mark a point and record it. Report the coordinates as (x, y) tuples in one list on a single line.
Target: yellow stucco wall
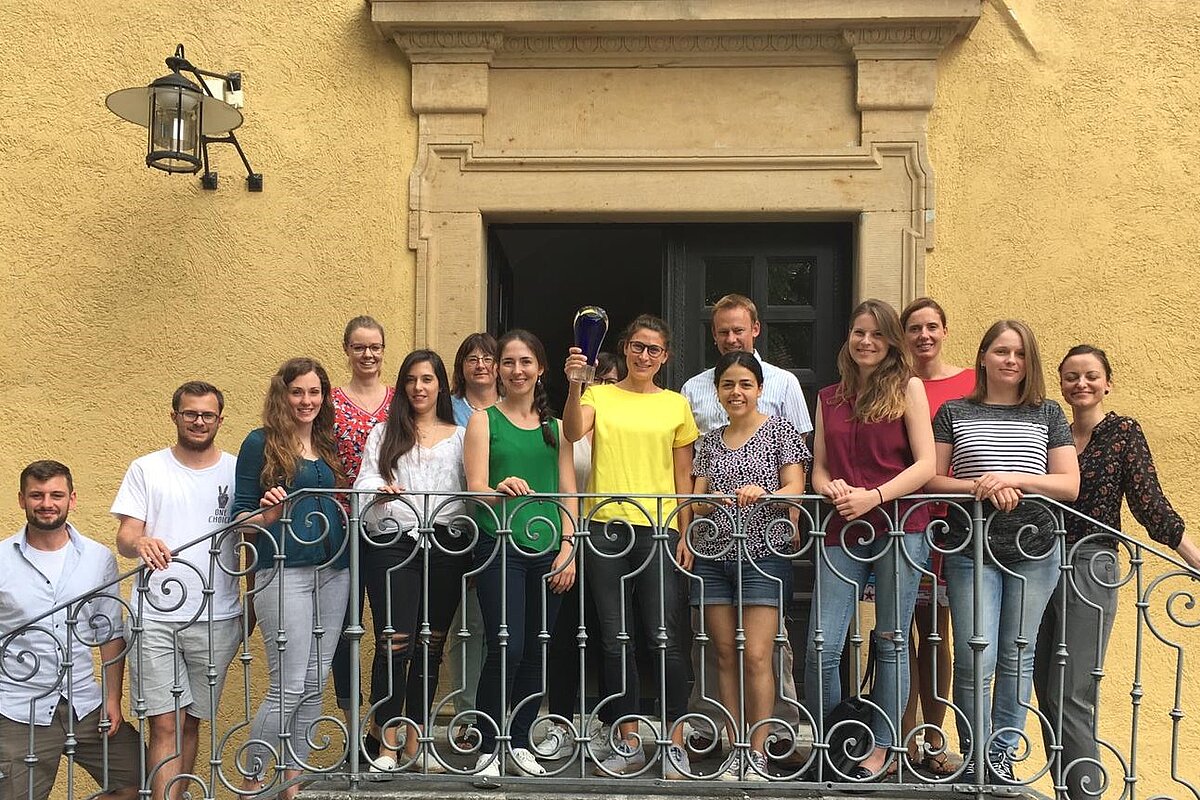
[(119, 282), (1064, 196)]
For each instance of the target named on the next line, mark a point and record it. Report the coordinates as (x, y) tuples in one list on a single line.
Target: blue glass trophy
[(591, 324)]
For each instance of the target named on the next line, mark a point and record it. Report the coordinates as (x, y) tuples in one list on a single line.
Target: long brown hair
[(879, 397), (400, 432), (281, 453), (541, 401), (1032, 390)]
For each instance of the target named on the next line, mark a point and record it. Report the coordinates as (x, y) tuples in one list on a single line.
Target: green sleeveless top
[(513, 451)]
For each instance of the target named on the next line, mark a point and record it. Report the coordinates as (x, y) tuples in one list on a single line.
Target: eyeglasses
[(476, 361), (359, 349), (641, 347), (606, 381), (207, 417)]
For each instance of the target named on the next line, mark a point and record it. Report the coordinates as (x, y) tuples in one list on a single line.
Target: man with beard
[(167, 502), (48, 681)]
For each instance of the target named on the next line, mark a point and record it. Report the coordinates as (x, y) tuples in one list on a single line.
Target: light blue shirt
[(34, 675), (781, 397), (462, 410)]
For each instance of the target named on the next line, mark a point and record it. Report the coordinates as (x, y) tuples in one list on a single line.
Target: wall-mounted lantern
[(183, 118)]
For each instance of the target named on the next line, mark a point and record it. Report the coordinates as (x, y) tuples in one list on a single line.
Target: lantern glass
[(175, 124)]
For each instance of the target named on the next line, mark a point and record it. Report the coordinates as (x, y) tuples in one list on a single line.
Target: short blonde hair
[(736, 301)]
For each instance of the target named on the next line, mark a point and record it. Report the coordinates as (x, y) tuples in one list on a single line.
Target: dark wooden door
[(797, 274)]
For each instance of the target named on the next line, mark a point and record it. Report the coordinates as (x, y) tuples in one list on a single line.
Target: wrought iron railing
[(1142, 744)]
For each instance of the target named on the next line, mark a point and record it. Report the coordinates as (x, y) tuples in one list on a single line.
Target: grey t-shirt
[(991, 438)]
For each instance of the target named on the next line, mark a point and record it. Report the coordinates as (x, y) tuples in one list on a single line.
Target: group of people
[(515, 570)]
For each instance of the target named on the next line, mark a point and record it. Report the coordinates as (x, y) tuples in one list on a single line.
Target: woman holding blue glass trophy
[(641, 444)]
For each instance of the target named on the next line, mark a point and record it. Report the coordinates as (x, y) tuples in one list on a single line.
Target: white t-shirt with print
[(178, 505)]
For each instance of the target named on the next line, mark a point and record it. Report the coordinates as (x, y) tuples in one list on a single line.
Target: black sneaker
[(969, 772), (1001, 768)]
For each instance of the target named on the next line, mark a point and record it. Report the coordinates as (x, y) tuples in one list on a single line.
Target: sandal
[(941, 764)]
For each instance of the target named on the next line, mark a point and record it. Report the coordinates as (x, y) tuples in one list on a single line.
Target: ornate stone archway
[(656, 110)]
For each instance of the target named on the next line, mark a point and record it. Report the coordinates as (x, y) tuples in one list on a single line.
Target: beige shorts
[(166, 657)]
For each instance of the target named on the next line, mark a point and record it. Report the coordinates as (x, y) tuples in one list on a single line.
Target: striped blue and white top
[(992, 438)]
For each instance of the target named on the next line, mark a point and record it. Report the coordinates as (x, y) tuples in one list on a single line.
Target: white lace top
[(424, 472)]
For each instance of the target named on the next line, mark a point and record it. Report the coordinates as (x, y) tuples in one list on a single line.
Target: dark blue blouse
[(317, 532)]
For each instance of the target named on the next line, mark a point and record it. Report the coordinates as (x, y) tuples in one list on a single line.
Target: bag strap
[(868, 678)]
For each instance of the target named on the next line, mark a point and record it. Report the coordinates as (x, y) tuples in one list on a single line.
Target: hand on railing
[(749, 494), (1000, 488), (514, 486), (155, 553), (851, 502), (272, 505)]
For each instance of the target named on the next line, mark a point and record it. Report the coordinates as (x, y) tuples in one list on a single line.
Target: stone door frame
[(461, 181)]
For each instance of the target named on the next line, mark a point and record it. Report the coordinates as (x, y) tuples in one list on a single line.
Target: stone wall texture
[(1063, 141)]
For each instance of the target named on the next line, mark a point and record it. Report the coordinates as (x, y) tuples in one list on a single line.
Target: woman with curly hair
[(293, 450)]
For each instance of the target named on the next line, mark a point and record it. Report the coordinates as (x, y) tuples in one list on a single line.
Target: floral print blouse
[(351, 426), (1117, 463)]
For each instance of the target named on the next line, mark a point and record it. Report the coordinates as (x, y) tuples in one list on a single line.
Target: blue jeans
[(1012, 602), (514, 595), (841, 576)]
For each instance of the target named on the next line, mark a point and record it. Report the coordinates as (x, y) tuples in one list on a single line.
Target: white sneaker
[(526, 762), (733, 768), (756, 770), (556, 743), (430, 767), (383, 764), (488, 765), (623, 761), (678, 766), (600, 747)]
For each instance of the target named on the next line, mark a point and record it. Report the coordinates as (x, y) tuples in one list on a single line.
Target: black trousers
[(404, 672)]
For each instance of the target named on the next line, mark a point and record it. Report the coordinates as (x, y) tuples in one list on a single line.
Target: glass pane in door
[(790, 281), (790, 345), (726, 275)]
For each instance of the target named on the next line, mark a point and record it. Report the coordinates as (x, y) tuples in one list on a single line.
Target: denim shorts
[(758, 589)]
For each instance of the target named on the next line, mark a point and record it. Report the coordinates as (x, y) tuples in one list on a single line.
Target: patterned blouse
[(758, 461), (1117, 463), (352, 425)]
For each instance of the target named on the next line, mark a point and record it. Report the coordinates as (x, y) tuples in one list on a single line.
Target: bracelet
[(881, 500)]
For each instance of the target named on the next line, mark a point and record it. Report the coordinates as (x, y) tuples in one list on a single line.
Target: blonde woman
[(1002, 441), (873, 444)]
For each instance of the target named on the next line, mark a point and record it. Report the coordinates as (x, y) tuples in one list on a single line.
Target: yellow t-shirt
[(632, 446)]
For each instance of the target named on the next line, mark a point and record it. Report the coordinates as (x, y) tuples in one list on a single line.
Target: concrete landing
[(470, 787)]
